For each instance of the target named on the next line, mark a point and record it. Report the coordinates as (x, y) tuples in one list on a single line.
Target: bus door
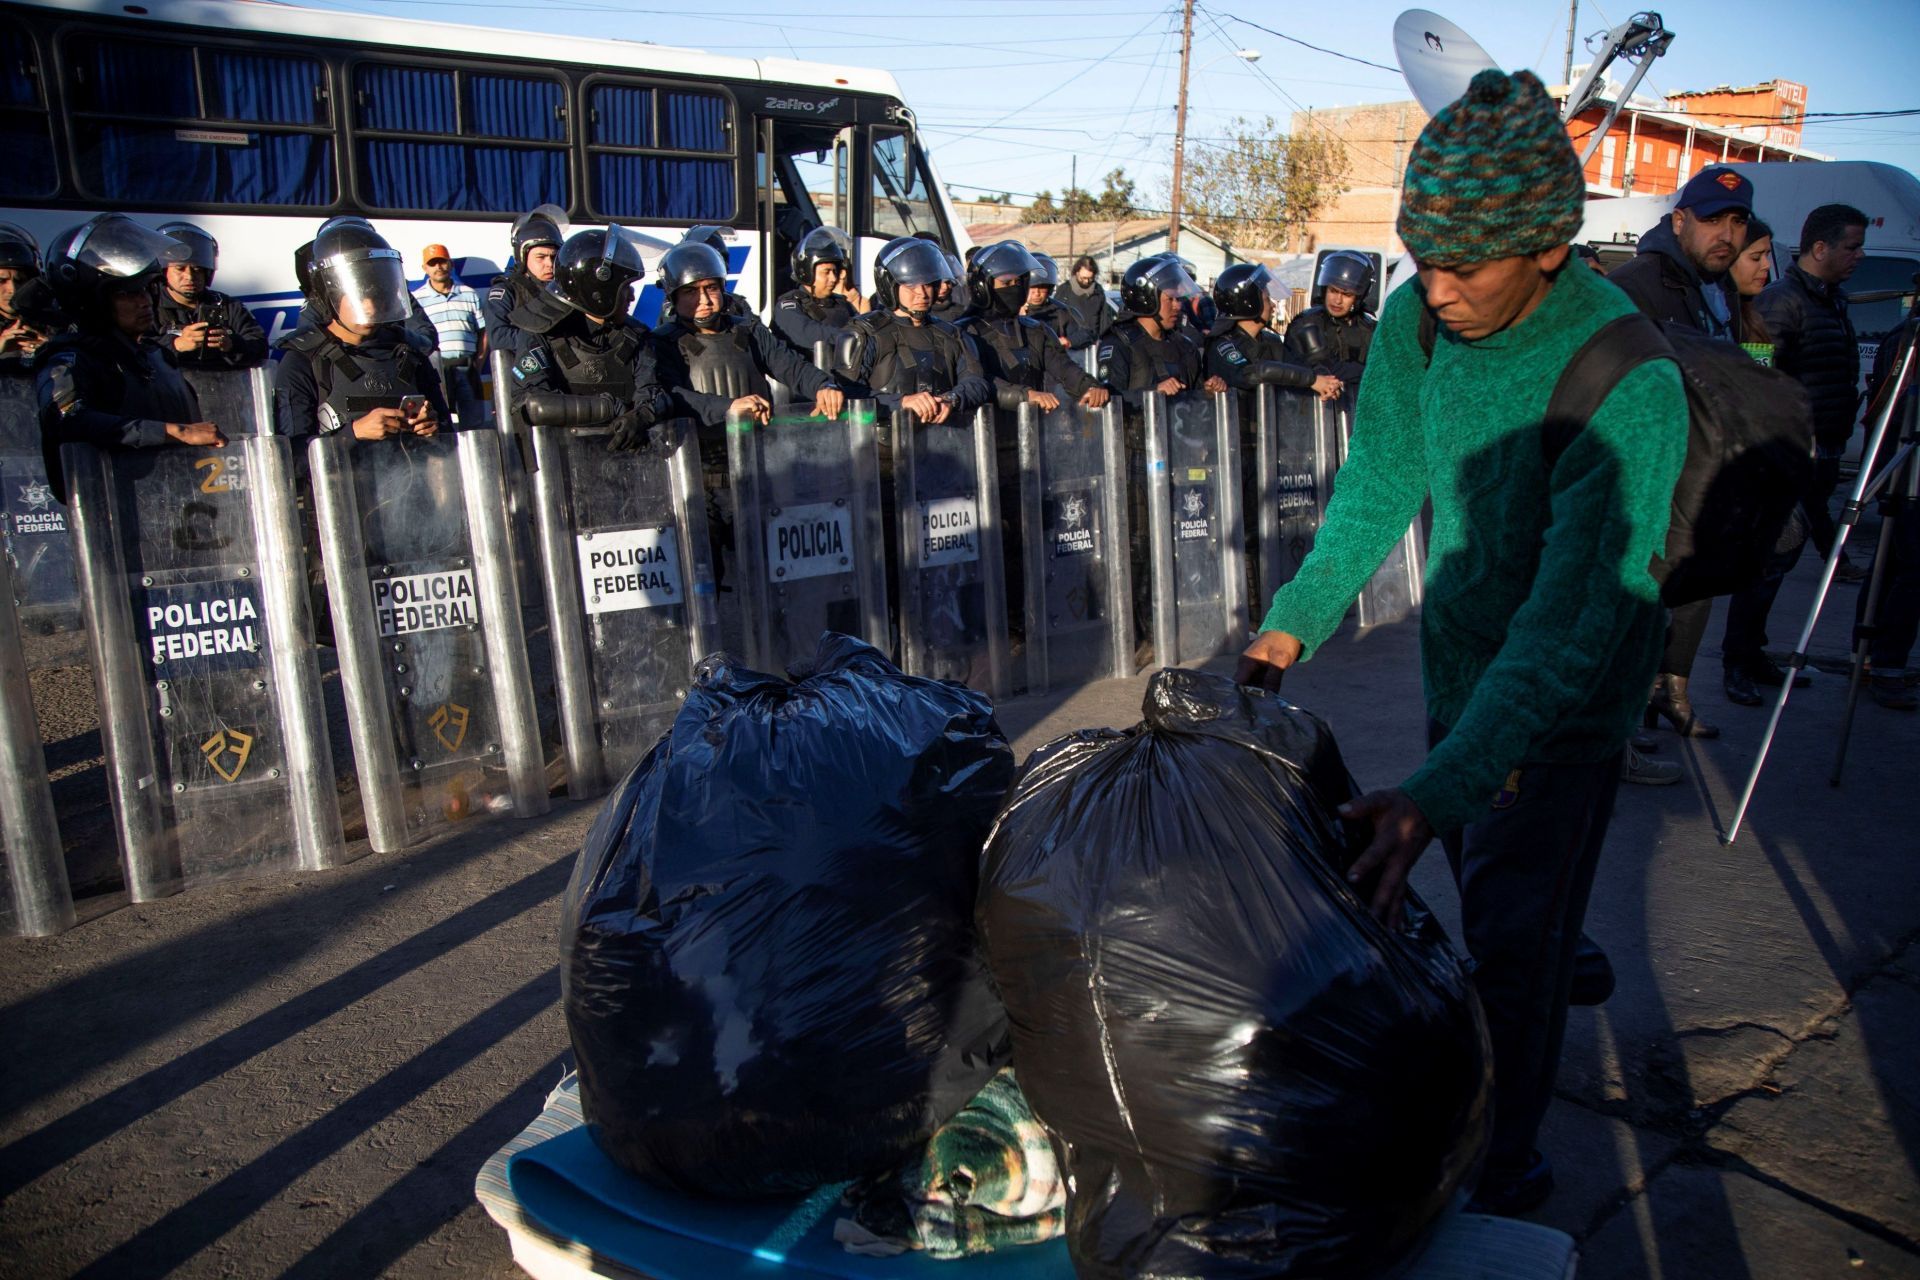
[(804, 171)]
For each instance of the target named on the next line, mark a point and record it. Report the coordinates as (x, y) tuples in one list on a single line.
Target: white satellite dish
[(1438, 59)]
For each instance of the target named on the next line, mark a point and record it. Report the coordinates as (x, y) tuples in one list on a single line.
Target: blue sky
[(1008, 92)]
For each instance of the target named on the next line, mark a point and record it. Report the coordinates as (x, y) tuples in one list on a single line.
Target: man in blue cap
[(1675, 275)]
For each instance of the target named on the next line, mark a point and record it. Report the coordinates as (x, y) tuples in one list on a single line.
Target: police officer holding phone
[(364, 371), (206, 328), (109, 383), (823, 304)]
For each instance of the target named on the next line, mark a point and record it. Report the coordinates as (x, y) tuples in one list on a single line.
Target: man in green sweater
[(1541, 626)]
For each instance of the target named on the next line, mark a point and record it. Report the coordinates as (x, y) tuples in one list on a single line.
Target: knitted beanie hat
[(1492, 176)]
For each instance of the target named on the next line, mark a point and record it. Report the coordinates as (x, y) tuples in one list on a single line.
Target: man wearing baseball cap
[(462, 325), (1541, 625), (1676, 272)]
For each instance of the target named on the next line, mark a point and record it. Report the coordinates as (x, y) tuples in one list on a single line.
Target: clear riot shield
[(1295, 457), (1394, 592), (1073, 519), (952, 584), (515, 454), (630, 593), (33, 521), (193, 580), (1196, 550), (806, 531), (427, 620), (36, 898)]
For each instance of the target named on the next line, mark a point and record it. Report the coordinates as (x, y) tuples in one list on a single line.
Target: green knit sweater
[(1541, 627)]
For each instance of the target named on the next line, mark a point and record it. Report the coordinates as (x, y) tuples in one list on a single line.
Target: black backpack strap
[(1615, 349)]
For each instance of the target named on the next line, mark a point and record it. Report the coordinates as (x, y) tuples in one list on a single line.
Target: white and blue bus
[(259, 120)]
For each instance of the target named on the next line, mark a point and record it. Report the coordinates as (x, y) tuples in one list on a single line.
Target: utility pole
[(1180, 126), (1072, 186), (1573, 20)]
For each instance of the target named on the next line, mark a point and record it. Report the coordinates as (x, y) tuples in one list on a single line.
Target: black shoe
[(1740, 690), (1768, 674), (1508, 1193), (1592, 974), (1892, 693)]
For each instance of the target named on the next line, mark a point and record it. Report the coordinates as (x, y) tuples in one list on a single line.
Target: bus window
[(154, 122), (136, 103), (440, 138), (902, 199), (659, 153), (25, 138)]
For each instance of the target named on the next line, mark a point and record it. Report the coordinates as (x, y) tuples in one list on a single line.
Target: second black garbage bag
[(771, 973), (1247, 1074)]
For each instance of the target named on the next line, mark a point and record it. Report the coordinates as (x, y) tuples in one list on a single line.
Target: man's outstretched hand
[(1267, 659), (1400, 834)]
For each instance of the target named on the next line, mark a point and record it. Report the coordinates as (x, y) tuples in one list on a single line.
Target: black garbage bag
[(1246, 1073), (771, 977)]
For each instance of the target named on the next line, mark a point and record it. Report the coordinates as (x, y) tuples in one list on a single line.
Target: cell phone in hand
[(411, 406)]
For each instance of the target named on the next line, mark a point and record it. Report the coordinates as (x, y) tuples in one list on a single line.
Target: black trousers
[(1525, 871)]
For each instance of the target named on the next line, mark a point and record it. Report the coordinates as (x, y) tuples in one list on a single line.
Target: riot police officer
[(715, 362), (1334, 336), (535, 244), (822, 305), (1041, 305), (587, 362), (109, 383), (1144, 351), (1018, 353), (950, 299), (364, 371), (716, 239), (207, 328), (903, 355), (314, 316), (1242, 350), (23, 326)]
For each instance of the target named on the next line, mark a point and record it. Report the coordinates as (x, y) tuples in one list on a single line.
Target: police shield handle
[(204, 434), (1264, 663)]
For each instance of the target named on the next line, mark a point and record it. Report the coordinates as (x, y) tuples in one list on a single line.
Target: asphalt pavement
[(299, 1077)]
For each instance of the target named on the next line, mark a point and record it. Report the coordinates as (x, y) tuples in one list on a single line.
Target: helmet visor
[(918, 262), (1006, 258), (1171, 280), (621, 248), (1046, 272), (205, 250), (826, 244), (543, 224), (369, 286), (18, 248), (119, 246)]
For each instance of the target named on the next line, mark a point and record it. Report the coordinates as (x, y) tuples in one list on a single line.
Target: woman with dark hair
[(1752, 271)]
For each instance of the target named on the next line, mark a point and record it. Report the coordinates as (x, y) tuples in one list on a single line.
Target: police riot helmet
[(108, 253), (1347, 270), (822, 244), (689, 263), (1151, 279), (544, 226), (1047, 272), (1241, 291), (357, 277), (595, 268), (715, 238), (908, 261), (19, 251), (1003, 258), (206, 250)]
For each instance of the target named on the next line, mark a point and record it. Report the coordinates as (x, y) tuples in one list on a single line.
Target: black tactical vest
[(720, 363), (1006, 351), (1152, 361), (353, 382), (592, 363), (910, 358)]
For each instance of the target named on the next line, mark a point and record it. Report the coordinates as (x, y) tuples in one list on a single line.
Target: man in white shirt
[(462, 325)]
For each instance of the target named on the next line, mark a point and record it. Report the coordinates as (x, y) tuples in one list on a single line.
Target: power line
[(1303, 44)]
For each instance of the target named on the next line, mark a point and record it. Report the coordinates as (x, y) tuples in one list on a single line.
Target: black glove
[(635, 431)]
